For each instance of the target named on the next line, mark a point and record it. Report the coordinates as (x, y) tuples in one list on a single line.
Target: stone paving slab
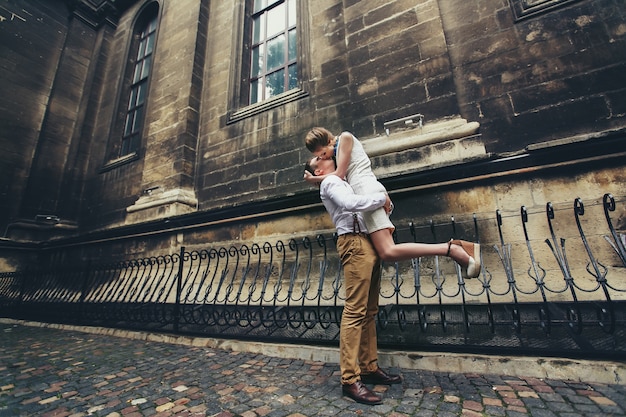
[(58, 373)]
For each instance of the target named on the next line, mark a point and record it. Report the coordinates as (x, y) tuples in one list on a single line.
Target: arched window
[(132, 109)]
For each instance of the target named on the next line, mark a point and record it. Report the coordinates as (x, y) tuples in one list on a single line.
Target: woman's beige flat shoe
[(473, 250)]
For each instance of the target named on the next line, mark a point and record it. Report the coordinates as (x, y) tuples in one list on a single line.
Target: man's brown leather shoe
[(361, 394), (380, 377)]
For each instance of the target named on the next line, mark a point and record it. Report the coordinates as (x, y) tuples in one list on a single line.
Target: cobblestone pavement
[(51, 372)]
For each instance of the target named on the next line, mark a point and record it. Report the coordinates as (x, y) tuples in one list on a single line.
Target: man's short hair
[(312, 167), (308, 167)]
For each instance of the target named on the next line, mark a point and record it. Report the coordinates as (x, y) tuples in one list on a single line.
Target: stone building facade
[(132, 127)]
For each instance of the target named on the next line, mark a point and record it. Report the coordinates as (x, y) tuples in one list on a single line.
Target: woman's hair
[(317, 137)]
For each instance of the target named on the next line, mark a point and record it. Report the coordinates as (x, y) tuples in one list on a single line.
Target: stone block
[(382, 29)]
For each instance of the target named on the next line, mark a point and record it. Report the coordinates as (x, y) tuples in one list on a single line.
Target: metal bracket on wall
[(409, 121)]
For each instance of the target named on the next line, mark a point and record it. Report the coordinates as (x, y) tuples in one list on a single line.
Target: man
[(358, 352)]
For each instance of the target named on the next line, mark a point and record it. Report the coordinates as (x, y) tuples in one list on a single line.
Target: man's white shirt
[(342, 203)]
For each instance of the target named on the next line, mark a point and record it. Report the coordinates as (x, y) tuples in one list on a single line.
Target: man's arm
[(342, 195)]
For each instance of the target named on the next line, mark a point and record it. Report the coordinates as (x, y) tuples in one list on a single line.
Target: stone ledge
[(444, 154), (26, 230), (434, 132), (575, 139), (161, 198), (161, 204), (440, 143)]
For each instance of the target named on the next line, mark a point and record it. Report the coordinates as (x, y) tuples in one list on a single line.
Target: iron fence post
[(179, 289), (20, 300), (83, 291)]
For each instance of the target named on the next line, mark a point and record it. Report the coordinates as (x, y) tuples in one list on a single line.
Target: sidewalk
[(54, 372)]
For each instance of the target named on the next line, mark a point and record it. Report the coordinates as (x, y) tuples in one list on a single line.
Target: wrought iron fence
[(553, 283)]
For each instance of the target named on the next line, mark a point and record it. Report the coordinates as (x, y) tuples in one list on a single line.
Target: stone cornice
[(95, 13)]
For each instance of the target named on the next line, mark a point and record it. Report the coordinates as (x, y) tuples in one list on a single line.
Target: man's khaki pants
[(357, 339)]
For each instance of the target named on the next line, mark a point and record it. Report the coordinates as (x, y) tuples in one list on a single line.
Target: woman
[(354, 165)]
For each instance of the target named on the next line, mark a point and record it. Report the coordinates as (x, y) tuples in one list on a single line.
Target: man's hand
[(312, 179), (388, 205)]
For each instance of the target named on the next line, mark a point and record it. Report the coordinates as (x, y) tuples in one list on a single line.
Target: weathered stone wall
[(365, 65), (32, 36), (553, 75), (489, 87), (167, 157), (375, 62)]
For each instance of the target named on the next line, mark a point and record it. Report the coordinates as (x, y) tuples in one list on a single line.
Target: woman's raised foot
[(472, 270)]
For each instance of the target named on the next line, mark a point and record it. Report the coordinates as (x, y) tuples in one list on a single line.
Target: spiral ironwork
[(552, 283)]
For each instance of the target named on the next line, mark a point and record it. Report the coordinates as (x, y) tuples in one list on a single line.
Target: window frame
[(116, 154), (524, 9), (239, 85), (262, 40), (137, 91)]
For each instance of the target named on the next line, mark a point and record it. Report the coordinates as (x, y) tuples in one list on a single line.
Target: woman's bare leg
[(389, 251)]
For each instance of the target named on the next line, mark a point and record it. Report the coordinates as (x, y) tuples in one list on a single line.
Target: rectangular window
[(274, 49), (133, 122), (523, 9)]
